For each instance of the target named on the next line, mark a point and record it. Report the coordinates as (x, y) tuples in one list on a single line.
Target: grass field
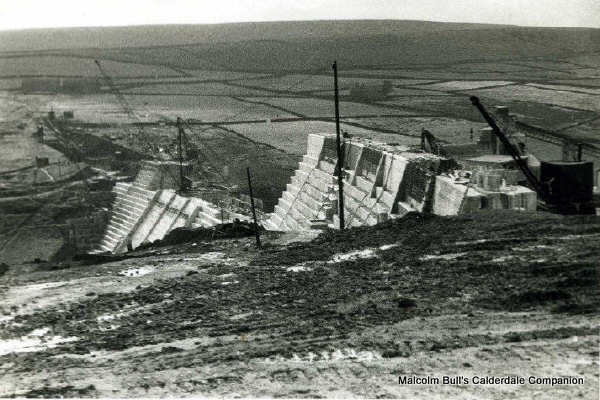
[(276, 89), (198, 89), (325, 108), (35, 65), (291, 137), (560, 98), (105, 109)]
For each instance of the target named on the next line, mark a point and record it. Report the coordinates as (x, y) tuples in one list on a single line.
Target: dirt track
[(344, 315)]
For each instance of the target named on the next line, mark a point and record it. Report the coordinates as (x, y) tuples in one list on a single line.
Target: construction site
[(169, 230)]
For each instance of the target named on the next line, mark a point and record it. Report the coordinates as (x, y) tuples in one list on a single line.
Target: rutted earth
[(340, 316)]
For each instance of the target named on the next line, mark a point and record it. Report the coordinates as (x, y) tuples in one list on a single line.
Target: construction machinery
[(564, 187)]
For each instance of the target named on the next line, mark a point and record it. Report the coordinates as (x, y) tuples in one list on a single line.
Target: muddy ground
[(341, 316)]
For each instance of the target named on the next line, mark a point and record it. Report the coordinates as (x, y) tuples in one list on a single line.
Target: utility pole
[(180, 133), (340, 150), (41, 133), (253, 209)]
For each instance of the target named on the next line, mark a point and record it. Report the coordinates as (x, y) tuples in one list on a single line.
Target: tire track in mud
[(286, 319)]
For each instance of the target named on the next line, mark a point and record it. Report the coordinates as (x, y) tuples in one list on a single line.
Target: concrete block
[(207, 219), (327, 167), (355, 192), (315, 145), (292, 188), (317, 194), (404, 208), (309, 200), (323, 176), (492, 181), (363, 213), (304, 210), (448, 196), (387, 198), (366, 185), (162, 226), (305, 167), (154, 214), (310, 160)]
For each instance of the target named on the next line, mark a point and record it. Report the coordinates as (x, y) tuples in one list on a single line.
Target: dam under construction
[(176, 185), (381, 182), (215, 211)]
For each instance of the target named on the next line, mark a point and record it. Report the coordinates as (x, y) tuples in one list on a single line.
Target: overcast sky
[(17, 14)]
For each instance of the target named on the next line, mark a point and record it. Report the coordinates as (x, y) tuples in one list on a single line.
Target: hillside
[(309, 44), (169, 35), (341, 316)]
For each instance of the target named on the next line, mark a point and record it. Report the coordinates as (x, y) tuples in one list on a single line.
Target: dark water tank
[(569, 181)]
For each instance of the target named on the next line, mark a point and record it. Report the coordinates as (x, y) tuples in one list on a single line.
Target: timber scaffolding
[(383, 182)]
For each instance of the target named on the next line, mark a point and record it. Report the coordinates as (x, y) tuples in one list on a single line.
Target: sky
[(23, 14)]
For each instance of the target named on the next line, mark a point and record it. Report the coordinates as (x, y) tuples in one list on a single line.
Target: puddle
[(6, 318), (574, 237), (448, 256), (35, 341), (135, 272), (502, 259), (388, 246), (298, 268), (42, 286), (210, 256), (478, 241), (39, 332), (329, 356), (533, 248), (226, 275), (352, 255), (229, 283), (109, 317)]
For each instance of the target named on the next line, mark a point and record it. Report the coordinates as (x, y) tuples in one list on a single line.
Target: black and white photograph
[(341, 199)]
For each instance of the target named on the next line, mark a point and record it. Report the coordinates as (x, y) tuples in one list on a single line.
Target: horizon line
[(288, 21)]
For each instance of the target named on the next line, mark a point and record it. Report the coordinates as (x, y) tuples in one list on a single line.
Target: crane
[(144, 138), (513, 151)]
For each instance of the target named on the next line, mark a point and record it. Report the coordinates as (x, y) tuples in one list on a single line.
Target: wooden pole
[(340, 151), (180, 133), (253, 209)]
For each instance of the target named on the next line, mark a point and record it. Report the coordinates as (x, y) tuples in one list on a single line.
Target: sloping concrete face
[(140, 215), (129, 209), (381, 182)]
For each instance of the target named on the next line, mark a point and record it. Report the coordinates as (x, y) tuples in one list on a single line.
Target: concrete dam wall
[(141, 213), (383, 181)]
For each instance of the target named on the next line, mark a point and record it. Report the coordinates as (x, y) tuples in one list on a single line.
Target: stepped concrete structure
[(384, 181), (381, 182), (147, 209)]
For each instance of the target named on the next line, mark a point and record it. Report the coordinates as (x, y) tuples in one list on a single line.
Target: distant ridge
[(169, 35)]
